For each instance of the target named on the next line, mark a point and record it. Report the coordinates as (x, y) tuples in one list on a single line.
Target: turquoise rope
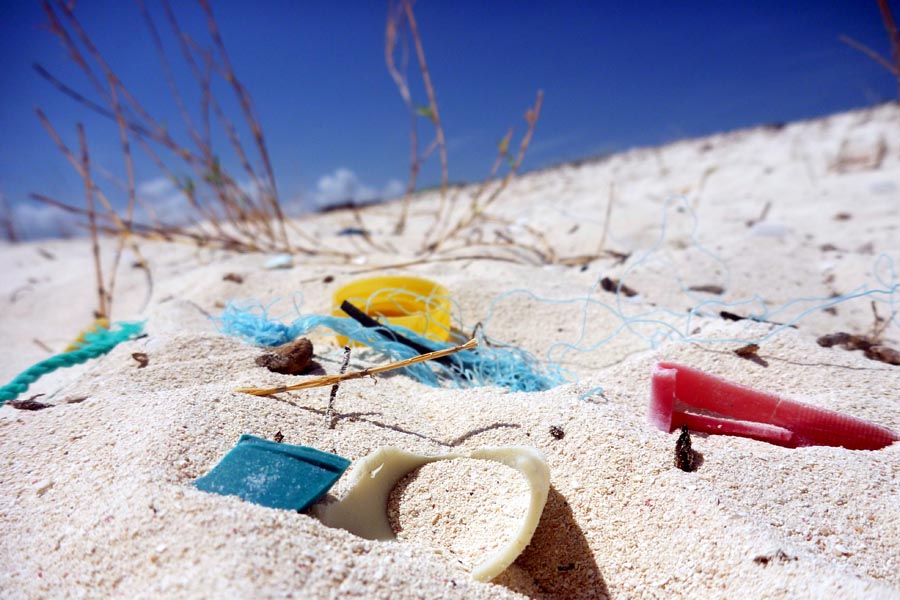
[(97, 343)]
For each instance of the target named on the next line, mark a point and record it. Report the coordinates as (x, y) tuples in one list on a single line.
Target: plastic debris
[(273, 474), (682, 395), (506, 365), (418, 304), (363, 509), (279, 261), (769, 229), (96, 341)]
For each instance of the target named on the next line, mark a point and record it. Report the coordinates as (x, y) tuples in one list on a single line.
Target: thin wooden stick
[(132, 196), (477, 209), (102, 297), (869, 52), (329, 414), (333, 379), (891, 26), (7, 220)]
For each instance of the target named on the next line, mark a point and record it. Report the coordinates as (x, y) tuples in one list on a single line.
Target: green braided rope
[(97, 343)]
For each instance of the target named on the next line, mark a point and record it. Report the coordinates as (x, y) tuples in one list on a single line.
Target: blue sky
[(615, 75)]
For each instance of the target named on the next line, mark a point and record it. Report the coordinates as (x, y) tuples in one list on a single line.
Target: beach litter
[(684, 396), (96, 341), (415, 320), (418, 304), (279, 261), (273, 474), (369, 372), (363, 508)]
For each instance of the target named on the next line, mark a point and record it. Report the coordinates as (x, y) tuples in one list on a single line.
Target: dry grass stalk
[(7, 221), (102, 311), (395, 19), (241, 220), (329, 412), (893, 64), (120, 228), (478, 206), (335, 379)]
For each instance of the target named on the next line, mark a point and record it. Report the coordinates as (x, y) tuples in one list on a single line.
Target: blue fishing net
[(487, 365)]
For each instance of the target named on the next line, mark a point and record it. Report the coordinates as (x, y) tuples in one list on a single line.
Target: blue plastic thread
[(507, 367), (653, 325)]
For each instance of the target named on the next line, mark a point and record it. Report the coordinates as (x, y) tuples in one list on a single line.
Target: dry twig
[(395, 19), (102, 311), (334, 379), (893, 35)]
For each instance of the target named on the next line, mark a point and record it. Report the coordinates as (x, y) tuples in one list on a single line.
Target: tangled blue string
[(96, 343), (508, 367), (653, 325), (656, 325)]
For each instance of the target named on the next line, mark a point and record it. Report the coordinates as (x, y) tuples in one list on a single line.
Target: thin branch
[(891, 26), (329, 414), (129, 219), (390, 44), (434, 115), (870, 53), (102, 296), (251, 118), (334, 379), (477, 209), (7, 220)]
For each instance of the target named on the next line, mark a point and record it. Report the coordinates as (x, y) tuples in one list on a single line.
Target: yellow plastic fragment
[(420, 305)]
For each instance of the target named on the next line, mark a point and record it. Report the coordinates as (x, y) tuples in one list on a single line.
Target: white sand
[(470, 507), (95, 497)]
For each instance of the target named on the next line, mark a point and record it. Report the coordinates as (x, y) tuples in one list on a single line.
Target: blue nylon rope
[(97, 343)]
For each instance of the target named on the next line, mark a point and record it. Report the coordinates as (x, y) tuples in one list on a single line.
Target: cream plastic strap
[(363, 509)]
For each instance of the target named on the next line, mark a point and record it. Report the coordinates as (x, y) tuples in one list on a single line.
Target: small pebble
[(42, 486)]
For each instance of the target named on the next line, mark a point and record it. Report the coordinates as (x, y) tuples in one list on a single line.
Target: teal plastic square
[(274, 475)]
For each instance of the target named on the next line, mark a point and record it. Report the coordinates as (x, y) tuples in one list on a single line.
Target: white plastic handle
[(363, 509)]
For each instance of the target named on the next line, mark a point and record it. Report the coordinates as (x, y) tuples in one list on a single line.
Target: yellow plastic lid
[(420, 305)]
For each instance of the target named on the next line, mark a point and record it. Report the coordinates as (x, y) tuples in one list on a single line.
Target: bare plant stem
[(102, 297), (329, 414), (395, 17), (434, 115), (477, 208), (868, 52), (890, 25), (255, 222), (7, 220)]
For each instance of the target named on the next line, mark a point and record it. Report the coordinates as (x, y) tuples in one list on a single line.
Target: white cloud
[(393, 189), (343, 185), (159, 186), (36, 221), (168, 202)]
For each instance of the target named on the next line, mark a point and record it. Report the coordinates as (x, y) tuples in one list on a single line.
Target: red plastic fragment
[(682, 395)]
